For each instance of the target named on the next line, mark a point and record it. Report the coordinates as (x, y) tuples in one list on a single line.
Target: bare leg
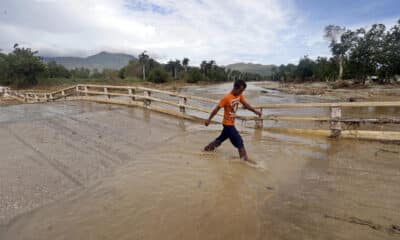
[(243, 156), (211, 146)]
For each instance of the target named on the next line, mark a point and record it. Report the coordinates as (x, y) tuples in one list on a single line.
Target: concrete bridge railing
[(177, 104)]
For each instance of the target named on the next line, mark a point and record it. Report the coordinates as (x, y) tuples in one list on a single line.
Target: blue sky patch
[(146, 6)]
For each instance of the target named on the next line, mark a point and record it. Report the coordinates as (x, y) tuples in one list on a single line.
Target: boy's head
[(238, 87)]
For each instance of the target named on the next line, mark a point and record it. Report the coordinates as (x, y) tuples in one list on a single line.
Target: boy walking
[(230, 103)]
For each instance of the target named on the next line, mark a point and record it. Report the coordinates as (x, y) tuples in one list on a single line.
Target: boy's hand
[(207, 122), (259, 114)]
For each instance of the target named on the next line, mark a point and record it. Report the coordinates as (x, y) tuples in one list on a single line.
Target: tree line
[(23, 68), (359, 54), (149, 69)]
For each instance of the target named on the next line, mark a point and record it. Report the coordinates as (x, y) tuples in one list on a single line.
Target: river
[(126, 173)]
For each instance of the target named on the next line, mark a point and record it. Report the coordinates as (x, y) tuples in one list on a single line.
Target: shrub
[(158, 75), (193, 76)]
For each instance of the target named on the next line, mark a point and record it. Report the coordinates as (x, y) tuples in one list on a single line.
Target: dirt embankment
[(344, 90), (4, 101)]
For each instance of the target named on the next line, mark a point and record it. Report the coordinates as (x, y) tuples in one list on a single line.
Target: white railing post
[(182, 103), (7, 92), (335, 124), (106, 92), (131, 92), (260, 122), (146, 101), (86, 90)]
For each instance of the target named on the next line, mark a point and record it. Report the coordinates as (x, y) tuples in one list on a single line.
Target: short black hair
[(238, 83)]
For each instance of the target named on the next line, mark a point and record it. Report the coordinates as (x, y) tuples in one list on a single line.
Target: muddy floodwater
[(82, 170)]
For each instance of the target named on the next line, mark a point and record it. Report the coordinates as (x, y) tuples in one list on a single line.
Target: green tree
[(96, 73), (185, 63), (57, 70), (24, 67), (158, 75), (110, 74), (82, 73), (390, 54), (4, 70), (122, 73), (204, 67), (366, 56), (174, 67), (194, 75), (135, 68), (235, 75), (274, 73), (132, 69), (151, 64), (290, 71), (216, 73), (326, 69), (305, 68), (338, 46)]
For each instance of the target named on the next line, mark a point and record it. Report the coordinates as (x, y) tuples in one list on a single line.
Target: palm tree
[(203, 67), (143, 59), (174, 67), (185, 63), (170, 67), (177, 66)]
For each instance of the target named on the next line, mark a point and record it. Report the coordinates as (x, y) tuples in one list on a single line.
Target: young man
[(230, 103)]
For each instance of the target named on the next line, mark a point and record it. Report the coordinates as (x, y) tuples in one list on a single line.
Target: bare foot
[(211, 146), (208, 149), (251, 161)]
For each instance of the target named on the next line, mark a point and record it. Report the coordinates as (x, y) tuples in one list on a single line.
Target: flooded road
[(76, 170)]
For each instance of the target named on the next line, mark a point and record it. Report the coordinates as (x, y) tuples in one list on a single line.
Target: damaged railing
[(336, 120), (177, 104)]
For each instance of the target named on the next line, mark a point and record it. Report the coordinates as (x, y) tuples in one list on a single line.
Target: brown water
[(302, 187)]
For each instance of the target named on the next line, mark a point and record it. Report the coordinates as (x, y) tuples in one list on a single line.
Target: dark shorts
[(233, 135)]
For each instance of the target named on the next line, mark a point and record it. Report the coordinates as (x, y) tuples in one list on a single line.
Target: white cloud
[(259, 31), (222, 30)]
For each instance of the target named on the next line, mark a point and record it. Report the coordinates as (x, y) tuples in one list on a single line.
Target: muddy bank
[(344, 92), (5, 101)]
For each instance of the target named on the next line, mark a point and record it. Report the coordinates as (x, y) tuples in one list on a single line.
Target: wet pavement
[(80, 170)]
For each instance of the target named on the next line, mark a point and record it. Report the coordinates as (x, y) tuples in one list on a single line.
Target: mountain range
[(106, 60), (263, 70), (102, 60)]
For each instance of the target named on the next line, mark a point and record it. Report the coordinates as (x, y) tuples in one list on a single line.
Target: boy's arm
[(249, 107), (215, 111)]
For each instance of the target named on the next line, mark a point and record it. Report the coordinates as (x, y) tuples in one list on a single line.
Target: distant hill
[(100, 61), (263, 70)]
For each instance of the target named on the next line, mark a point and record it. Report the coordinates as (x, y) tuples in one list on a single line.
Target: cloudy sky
[(228, 31)]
